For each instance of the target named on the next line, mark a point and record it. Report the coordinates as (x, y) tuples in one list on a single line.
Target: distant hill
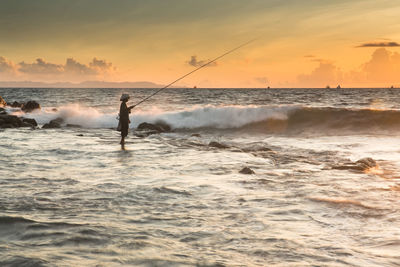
[(86, 84)]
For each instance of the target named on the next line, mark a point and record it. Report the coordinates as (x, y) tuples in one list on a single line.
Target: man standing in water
[(124, 121)]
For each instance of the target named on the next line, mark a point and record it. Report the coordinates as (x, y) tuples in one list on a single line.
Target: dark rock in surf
[(56, 123), (3, 103), (30, 106), (156, 128), (246, 170), (195, 135), (31, 122), (10, 121), (359, 166), (3, 111), (367, 163), (217, 145), (16, 104), (163, 125)]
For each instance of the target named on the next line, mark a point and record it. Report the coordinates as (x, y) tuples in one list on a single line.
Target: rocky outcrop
[(56, 123), (246, 170), (31, 122), (16, 104), (159, 127), (217, 145), (3, 103), (360, 165), (3, 111), (30, 106), (10, 121)]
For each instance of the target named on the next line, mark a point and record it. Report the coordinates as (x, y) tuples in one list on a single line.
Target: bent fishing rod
[(198, 68)]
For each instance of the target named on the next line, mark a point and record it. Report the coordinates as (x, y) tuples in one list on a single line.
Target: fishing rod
[(198, 68)]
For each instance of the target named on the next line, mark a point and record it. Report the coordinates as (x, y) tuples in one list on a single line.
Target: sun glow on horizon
[(300, 44)]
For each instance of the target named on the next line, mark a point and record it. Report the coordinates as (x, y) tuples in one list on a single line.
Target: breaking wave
[(252, 118)]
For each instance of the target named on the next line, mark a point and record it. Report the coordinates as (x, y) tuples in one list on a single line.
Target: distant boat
[(338, 87), (195, 87), (268, 87), (392, 87), (327, 87)]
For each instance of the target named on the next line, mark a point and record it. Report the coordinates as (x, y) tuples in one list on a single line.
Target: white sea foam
[(215, 117), (221, 117)]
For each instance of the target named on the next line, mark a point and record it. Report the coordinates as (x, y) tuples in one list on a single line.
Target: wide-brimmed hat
[(124, 96)]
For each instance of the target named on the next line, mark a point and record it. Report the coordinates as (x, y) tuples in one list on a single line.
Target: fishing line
[(187, 74)]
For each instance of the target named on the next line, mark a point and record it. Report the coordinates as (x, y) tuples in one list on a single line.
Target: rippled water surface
[(72, 197)]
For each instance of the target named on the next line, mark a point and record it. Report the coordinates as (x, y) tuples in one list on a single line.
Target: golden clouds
[(384, 66), (383, 69), (41, 70), (6, 66)]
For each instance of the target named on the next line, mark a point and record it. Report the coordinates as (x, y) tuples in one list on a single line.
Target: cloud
[(382, 69), (72, 66), (325, 74), (380, 44), (40, 67), (198, 63), (6, 66), (41, 70), (384, 66), (101, 65)]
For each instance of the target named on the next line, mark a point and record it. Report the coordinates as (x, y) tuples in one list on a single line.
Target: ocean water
[(72, 197)]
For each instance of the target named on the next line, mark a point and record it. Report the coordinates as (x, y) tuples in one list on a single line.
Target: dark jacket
[(124, 113)]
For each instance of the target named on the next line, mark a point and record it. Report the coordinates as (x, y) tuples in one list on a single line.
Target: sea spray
[(219, 117), (271, 119)]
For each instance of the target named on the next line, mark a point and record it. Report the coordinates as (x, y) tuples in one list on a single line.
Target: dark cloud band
[(381, 44), (197, 63)]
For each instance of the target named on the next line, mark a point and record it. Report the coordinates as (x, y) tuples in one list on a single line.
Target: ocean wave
[(342, 202), (254, 118)]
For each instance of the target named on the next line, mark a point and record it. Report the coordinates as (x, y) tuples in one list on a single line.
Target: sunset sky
[(300, 43)]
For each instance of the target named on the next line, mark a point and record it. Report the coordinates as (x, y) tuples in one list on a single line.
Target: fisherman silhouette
[(124, 121)]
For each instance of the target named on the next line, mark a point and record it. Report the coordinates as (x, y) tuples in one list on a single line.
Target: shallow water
[(72, 197)]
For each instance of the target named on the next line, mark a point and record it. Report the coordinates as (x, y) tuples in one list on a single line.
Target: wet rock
[(149, 127), (196, 135), (159, 127), (217, 145), (3, 111), (367, 163), (163, 125), (246, 170), (10, 121), (360, 165), (30, 106), (16, 104), (31, 122), (56, 123), (79, 135), (3, 103)]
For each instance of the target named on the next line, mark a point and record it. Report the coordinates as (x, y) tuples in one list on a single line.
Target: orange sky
[(301, 43)]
